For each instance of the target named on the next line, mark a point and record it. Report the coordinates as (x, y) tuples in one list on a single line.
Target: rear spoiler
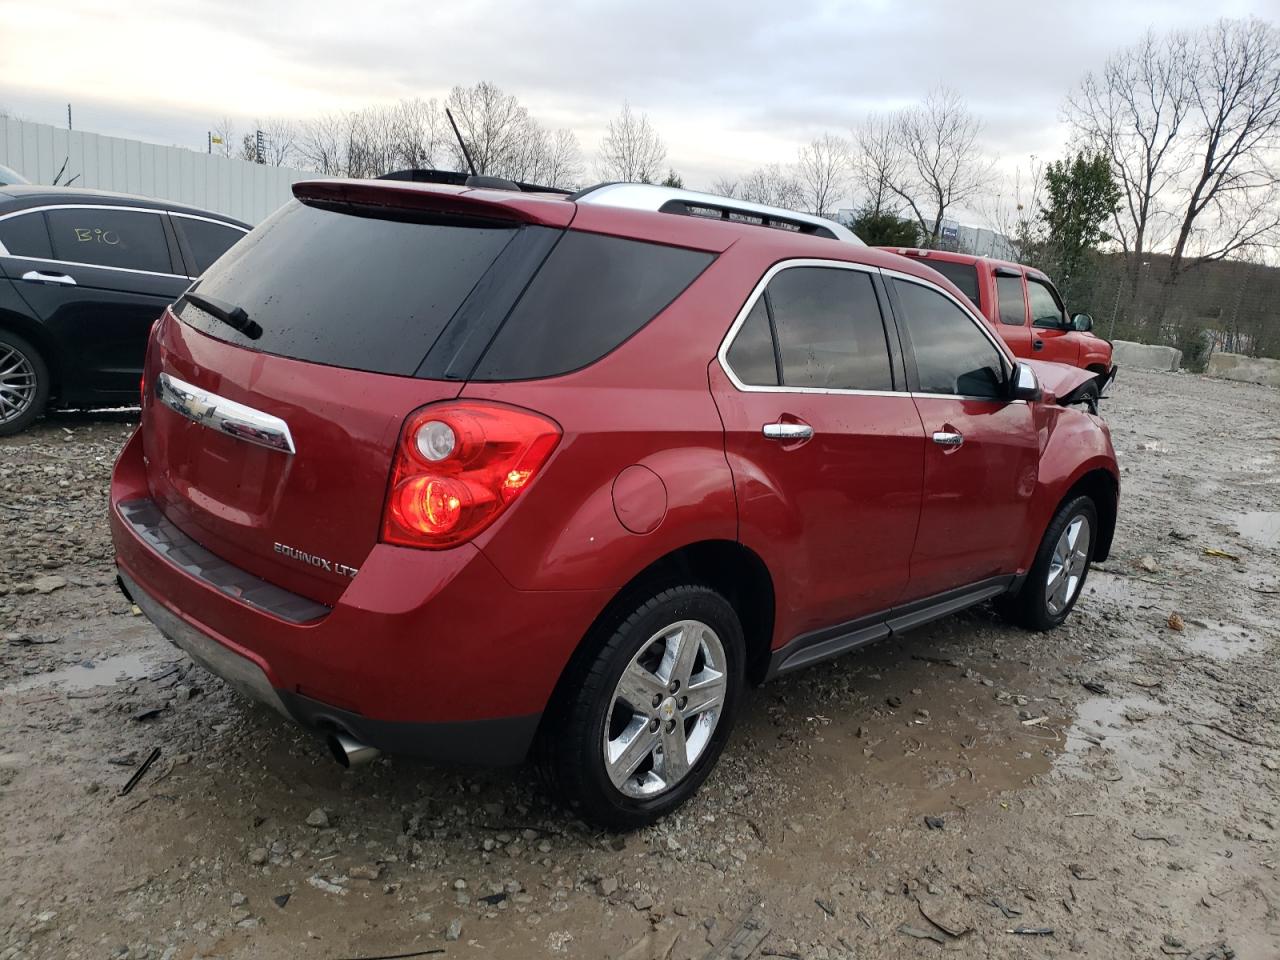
[(456, 179), (437, 198)]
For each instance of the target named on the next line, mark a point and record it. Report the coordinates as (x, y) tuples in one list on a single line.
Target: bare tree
[(823, 174), (223, 131), (1134, 112), (493, 124), (421, 133), (1232, 194), (725, 187), (944, 164), (878, 161), (1191, 126), (563, 164), (632, 151), (774, 185), (322, 144)]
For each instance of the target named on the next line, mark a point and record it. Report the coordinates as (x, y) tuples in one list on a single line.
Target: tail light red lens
[(458, 466)]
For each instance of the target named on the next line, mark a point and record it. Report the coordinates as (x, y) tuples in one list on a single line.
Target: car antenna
[(462, 143)]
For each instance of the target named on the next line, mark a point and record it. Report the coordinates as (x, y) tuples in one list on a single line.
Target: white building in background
[(237, 188)]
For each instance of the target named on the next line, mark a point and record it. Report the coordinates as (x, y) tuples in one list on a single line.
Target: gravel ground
[(1108, 790)]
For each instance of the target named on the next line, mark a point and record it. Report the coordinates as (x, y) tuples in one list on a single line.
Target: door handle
[(1037, 344), (44, 276), (945, 438), (788, 431)]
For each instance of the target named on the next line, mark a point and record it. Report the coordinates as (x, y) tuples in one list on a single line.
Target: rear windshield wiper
[(228, 313)]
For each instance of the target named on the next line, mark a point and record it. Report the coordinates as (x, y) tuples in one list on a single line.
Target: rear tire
[(24, 384), (605, 746), (1057, 576)]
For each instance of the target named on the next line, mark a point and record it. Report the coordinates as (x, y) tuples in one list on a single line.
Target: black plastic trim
[(810, 648), (498, 741), (158, 532)]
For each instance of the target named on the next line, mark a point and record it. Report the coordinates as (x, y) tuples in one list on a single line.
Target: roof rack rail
[(690, 203), (456, 179)]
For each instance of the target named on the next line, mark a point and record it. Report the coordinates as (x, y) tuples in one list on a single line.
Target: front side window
[(1013, 304), (1046, 308), (26, 236), (952, 355), (110, 238)]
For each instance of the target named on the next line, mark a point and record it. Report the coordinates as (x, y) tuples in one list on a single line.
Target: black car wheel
[(24, 383), (645, 720)]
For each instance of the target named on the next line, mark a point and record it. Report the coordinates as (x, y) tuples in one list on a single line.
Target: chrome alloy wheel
[(17, 383), (1067, 565), (665, 709)]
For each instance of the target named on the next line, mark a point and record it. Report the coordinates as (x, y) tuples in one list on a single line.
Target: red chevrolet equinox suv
[(473, 474)]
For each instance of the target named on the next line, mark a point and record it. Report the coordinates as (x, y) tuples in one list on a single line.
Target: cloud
[(728, 85)]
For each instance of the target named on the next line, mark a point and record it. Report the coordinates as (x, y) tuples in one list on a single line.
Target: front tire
[(24, 384), (1056, 578), (643, 724)]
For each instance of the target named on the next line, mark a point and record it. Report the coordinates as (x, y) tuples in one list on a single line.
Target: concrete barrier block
[(1146, 356), (1235, 366)]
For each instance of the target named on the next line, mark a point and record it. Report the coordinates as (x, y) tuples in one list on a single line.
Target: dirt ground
[(1111, 789)]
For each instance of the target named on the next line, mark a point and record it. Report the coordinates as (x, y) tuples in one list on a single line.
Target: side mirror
[(1024, 385), (1082, 322)]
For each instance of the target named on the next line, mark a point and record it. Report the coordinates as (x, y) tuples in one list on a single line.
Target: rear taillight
[(458, 465)]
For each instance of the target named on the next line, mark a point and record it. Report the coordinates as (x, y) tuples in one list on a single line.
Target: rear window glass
[(963, 275), (26, 236), (592, 293), (348, 290)]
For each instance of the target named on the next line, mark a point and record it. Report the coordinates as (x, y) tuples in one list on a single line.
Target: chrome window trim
[(213, 220), (723, 353), (102, 206), (77, 263), (99, 266)]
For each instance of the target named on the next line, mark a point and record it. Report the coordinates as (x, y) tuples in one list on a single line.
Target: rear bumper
[(429, 653)]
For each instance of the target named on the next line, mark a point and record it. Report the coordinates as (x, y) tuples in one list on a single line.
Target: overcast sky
[(729, 86)]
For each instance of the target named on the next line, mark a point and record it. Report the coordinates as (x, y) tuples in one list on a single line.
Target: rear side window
[(206, 240), (130, 239), (963, 275), (751, 355), (348, 290), (830, 334), (952, 355), (26, 236), (1013, 305), (592, 293)]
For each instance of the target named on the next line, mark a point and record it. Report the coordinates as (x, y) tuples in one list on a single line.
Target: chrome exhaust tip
[(349, 752)]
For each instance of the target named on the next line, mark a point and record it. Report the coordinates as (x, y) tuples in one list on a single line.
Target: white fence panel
[(237, 188)]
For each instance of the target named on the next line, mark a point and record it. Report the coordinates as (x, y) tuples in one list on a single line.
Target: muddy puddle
[(1259, 526), (88, 674), (1116, 733)]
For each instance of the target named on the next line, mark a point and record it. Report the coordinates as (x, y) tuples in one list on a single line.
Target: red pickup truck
[(1025, 308)]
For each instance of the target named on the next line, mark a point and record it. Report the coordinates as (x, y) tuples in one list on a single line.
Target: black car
[(83, 274)]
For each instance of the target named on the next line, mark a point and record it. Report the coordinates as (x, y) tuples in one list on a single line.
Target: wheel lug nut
[(653, 725), (682, 702), (671, 726), (657, 700), (675, 685)]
